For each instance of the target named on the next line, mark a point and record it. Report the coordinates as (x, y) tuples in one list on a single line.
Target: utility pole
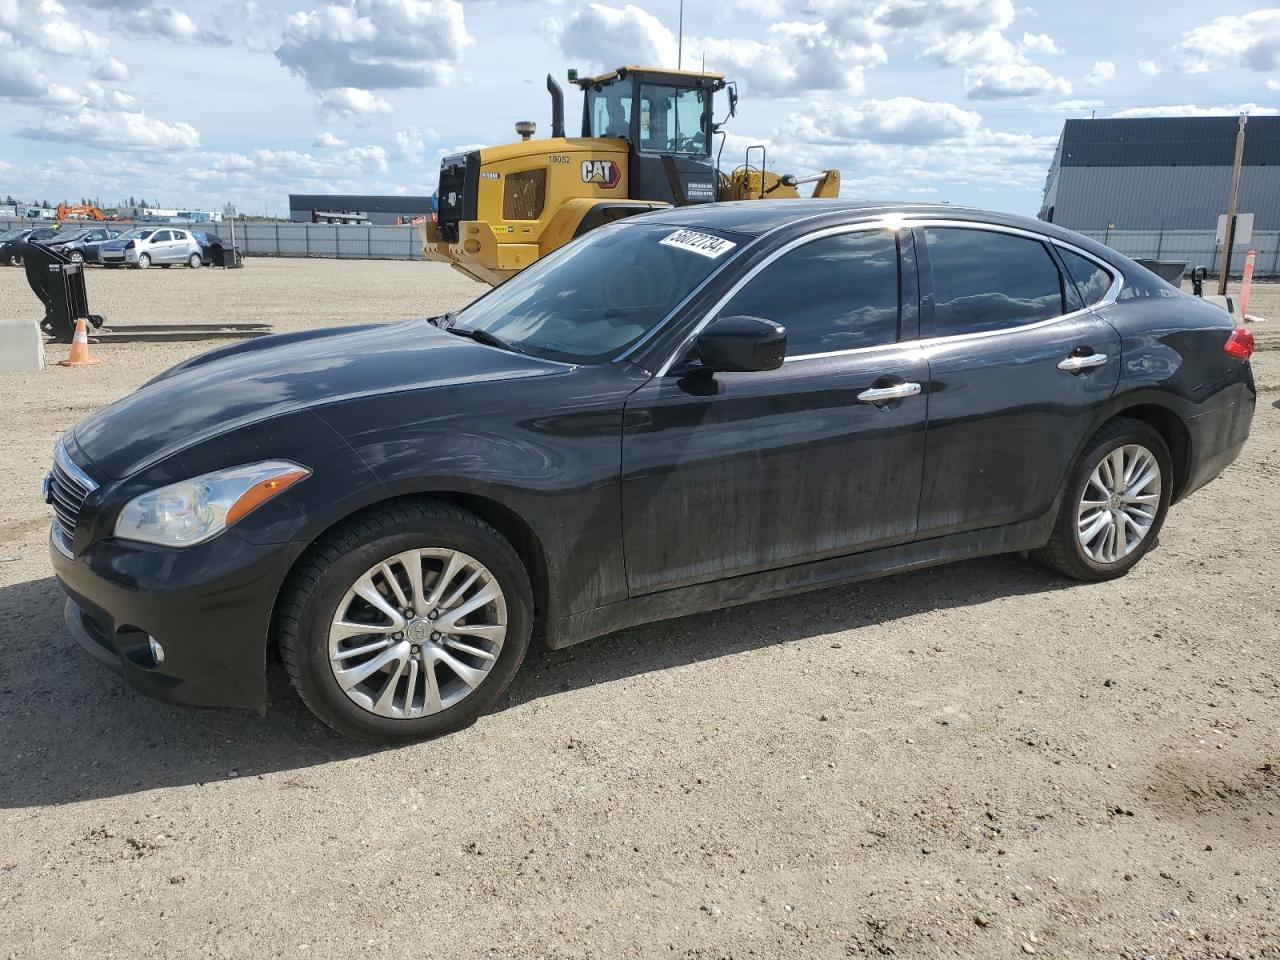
[(1231, 207), (680, 40)]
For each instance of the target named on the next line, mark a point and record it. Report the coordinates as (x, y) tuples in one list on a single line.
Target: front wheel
[(408, 622), (1116, 501), (194, 261), (77, 257), (144, 261)]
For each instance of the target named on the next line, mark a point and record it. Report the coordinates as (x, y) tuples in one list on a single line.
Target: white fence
[(343, 241), (371, 242), (1194, 247)]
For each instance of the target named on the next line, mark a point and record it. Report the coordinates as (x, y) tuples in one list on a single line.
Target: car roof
[(756, 217)]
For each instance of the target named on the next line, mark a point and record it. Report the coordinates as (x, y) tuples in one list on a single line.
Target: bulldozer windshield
[(609, 109), (666, 118), (674, 119)]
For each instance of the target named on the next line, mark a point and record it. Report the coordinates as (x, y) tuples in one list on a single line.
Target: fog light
[(157, 651)]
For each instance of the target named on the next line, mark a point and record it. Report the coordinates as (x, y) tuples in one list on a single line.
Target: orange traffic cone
[(80, 347)]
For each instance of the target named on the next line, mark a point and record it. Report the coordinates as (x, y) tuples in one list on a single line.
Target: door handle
[(1074, 364), (898, 391)]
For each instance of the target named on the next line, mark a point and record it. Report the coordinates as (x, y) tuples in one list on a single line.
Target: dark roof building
[(1161, 173), (354, 208)]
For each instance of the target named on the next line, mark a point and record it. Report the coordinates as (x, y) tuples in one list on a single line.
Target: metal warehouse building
[(1163, 174), (353, 208)]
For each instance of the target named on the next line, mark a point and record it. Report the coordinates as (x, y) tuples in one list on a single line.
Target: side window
[(179, 235), (160, 236), (983, 280), (836, 293), (1092, 281)]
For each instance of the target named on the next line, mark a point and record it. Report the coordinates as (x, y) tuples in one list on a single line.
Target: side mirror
[(742, 345)]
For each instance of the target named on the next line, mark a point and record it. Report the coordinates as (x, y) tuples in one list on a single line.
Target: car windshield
[(12, 234), (598, 295), (66, 236), (136, 235)]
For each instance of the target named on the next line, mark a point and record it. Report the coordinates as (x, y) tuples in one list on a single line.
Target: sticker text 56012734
[(703, 244)]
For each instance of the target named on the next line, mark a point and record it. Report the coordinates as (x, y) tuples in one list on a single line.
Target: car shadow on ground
[(74, 731)]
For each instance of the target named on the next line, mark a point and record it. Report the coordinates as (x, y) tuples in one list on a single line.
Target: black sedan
[(11, 242), (689, 409)]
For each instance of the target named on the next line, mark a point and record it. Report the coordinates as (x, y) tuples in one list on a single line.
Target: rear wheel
[(1116, 501), (408, 622), (194, 261)]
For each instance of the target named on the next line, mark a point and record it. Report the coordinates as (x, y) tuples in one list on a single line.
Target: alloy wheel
[(1120, 502), (417, 633)]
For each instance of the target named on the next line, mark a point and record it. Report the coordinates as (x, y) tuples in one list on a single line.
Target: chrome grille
[(65, 489)]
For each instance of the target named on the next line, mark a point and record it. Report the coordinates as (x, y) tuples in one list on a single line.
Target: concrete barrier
[(21, 345)]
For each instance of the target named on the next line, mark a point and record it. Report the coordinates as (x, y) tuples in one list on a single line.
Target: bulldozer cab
[(665, 116)]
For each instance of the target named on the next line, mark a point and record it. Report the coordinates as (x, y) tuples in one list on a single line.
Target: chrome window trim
[(898, 222)]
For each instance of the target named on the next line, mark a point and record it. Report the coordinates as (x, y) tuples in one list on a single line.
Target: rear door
[(732, 473), (1018, 369)]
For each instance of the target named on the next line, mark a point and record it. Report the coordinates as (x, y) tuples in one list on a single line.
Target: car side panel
[(553, 459), (1005, 422), (1172, 350)]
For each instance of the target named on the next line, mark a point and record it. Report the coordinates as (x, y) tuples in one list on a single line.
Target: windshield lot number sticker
[(700, 243)]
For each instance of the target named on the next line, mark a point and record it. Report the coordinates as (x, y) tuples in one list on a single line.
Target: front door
[(1018, 371), (733, 473)]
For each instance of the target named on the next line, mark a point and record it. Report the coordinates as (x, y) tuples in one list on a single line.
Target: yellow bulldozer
[(646, 143)]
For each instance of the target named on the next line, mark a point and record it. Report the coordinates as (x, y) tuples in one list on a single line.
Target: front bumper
[(208, 606), (129, 257)]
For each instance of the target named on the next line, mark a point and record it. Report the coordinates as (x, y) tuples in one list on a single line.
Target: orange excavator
[(85, 211)]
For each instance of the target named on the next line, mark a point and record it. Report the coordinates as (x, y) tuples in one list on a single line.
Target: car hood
[(116, 244), (254, 380)]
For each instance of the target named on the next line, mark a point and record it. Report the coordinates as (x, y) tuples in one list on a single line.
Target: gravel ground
[(979, 760)]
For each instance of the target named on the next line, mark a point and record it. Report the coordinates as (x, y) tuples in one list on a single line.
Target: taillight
[(1239, 344)]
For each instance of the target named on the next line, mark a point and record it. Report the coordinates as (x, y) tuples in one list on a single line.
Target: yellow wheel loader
[(646, 143)]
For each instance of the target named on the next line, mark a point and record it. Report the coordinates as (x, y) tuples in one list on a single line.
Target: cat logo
[(606, 173)]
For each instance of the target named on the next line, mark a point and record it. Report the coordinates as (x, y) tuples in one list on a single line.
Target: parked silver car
[(162, 246)]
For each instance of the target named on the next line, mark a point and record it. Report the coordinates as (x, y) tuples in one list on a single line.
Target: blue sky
[(246, 101)]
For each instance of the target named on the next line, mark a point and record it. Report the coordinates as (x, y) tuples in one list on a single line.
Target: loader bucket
[(59, 284)]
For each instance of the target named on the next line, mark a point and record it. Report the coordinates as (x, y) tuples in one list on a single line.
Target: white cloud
[(1273, 85), (1040, 43), (1251, 40), (328, 141), (46, 26), (928, 20), (100, 98), (375, 44), (22, 80), (903, 120), (1012, 80), (114, 130), (1102, 72), (168, 24), (1192, 110), (350, 103), (411, 144), (793, 57), (1148, 68), (787, 57), (607, 36), (111, 70), (1072, 106)]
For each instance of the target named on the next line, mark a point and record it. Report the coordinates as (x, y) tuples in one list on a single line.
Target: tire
[(144, 261), (324, 585), (1103, 559), (195, 262), (77, 257)]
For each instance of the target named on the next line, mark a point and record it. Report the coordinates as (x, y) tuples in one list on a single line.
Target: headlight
[(196, 510)]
